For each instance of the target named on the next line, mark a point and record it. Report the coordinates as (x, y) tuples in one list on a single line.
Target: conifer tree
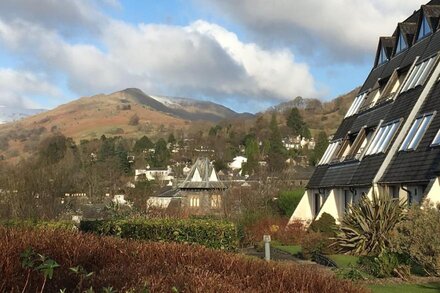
[(296, 124), (277, 152), (320, 147)]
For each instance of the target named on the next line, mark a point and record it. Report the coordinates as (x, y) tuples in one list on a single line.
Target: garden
[(381, 245), (53, 259)]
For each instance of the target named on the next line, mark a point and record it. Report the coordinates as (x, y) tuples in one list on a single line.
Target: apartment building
[(389, 140)]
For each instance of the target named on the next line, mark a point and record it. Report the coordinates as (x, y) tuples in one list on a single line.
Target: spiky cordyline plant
[(366, 227)]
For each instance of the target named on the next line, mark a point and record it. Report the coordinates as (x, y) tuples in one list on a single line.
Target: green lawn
[(406, 288), (344, 261), (292, 249)]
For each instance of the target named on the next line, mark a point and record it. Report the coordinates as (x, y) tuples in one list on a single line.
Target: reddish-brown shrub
[(278, 228), (316, 242), (126, 264)]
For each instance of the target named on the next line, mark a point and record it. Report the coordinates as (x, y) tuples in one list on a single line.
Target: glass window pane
[(411, 133), (375, 141), (383, 56), (358, 103), (420, 132), (436, 138), (386, 141), (411, 78), (425, 29), (426, 71), (401, 44), (417, 75), (380, 139)]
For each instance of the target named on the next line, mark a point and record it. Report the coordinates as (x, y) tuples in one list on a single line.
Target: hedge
[(68, 225), (209, 233), (140, 266)]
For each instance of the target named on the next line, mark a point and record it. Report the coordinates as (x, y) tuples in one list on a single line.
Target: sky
[(245, 54)]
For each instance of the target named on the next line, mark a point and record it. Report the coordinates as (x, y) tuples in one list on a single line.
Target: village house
[(389, 140), (298, 142), (201, 193), (151, 174)]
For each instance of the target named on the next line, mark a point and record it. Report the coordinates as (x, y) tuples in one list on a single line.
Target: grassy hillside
[(131, 113)]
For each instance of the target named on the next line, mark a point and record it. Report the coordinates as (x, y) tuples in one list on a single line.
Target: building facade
[(389, 140), (200, 194)]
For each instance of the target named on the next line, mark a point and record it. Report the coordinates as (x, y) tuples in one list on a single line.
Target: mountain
[(185, 108), (129, 112), (132, 113), (10, 114)]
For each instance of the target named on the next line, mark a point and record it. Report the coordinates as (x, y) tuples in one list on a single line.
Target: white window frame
[(419, 74), (436, 140), (416, 132), (383, 137), (355, 106), (329, 153)]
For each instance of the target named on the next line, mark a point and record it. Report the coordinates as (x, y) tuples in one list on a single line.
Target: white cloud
[(201, 60), (67, 16), (17, 86), (345, 30)]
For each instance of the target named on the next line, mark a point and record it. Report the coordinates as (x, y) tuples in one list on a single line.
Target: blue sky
[(247, 54)]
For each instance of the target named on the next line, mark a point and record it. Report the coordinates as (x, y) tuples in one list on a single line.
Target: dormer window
[(383, 137), (419, 74), (401, 44), (383, 56), (329, 154), (356, 104), (416, 132), (425, 29)]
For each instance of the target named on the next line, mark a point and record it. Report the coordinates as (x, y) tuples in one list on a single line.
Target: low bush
[(350, 273), (385, 265), (316, 243), (210, 233), (87, 260), (277, 227), (289, 200), (326, 224)]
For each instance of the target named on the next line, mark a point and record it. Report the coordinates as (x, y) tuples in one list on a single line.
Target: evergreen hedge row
[(68, 225), (210, 233)]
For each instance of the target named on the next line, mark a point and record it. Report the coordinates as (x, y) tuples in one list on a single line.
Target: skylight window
[(332, 149), (356, 105), (419, 74), (383, 138), (436, 140), (383, 56), (425, 29), (401, 44), (416, 133)]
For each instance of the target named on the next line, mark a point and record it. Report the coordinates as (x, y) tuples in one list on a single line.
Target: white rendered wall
[(433, 192), (304, 210), (334, 205)]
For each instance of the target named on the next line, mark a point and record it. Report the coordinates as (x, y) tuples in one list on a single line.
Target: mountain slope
[(184, 108), (320, 115), (129, 113), (10, 114)]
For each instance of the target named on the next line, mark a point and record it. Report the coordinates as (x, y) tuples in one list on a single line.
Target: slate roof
[(416, 166), (203, 169), (423, 163)]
